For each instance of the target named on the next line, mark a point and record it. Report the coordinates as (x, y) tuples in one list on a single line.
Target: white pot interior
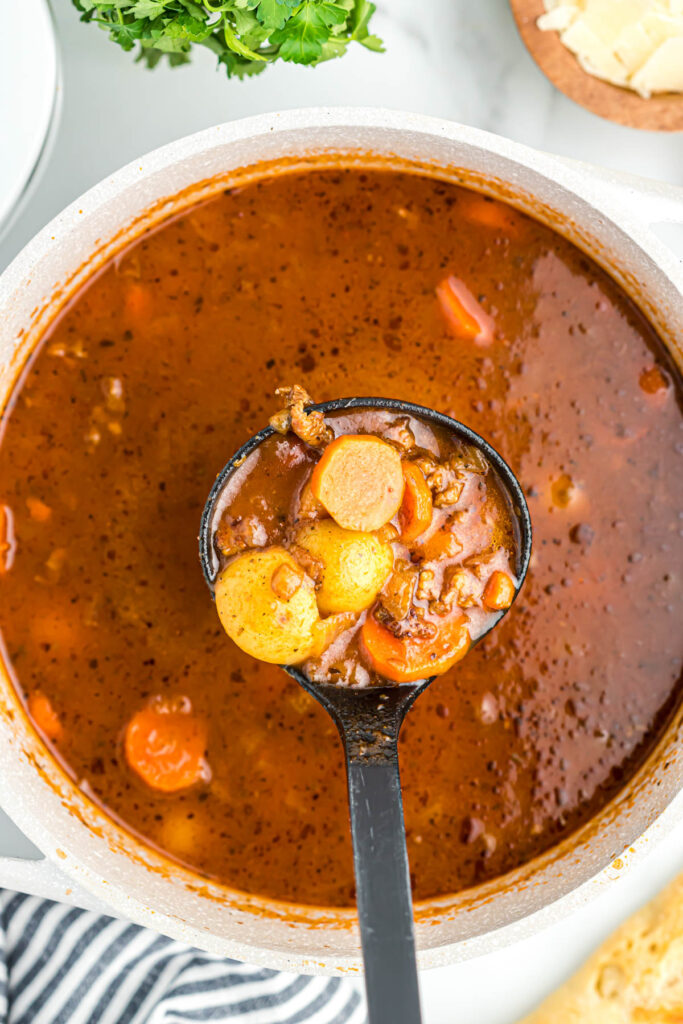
[(103, 857)]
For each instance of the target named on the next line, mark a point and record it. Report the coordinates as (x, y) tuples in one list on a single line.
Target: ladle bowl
[(369, 721)]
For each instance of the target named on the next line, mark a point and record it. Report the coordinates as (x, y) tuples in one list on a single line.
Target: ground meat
[(426, 585), (400, 434), (469, 460), (445, 481), (411, 626), (235, 535), (397, 595), (312, 566), (461, 587), (481, 565), (309, 426), (309, 506)]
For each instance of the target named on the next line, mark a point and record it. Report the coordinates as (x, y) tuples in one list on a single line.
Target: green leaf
[(175, 60), (197, 10), (272, 14), (244, 35), (194, 29), (149, 56), (237, 46), (334, 47), (373, 43), (148, 9), (249, 28), (179, 33), (303, 36), (125, 34), (360, 17), (239, 67)]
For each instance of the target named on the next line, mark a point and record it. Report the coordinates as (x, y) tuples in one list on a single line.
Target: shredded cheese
[(637, 44)]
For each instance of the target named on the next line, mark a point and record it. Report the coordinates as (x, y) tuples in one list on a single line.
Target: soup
[(166, 362), (365, 546)]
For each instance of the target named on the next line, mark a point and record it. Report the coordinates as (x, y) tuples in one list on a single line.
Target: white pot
[(89, 858)]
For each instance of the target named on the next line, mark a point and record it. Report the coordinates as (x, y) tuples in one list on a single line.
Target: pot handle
[(44, 878), (647, 200)]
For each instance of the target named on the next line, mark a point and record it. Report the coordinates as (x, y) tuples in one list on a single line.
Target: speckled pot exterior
[(89, 859)]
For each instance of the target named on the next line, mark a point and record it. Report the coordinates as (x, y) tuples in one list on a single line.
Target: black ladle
[(369, 721)]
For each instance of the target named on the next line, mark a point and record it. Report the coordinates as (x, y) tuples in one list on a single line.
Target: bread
[(636, 977)]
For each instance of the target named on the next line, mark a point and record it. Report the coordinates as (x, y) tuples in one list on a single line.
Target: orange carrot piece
[(44, 716), (415, 513), (138, 303), (464, 315), (491, 214), (38, 510), (359, 480), (442, 544), (166, 745), (407, 659), (285, 581), (499, 591), (653, 382)]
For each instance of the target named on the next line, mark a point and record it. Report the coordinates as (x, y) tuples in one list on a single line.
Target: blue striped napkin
[(62, 965)]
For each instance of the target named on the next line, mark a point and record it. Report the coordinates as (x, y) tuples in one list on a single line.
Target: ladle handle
[(385, 906)]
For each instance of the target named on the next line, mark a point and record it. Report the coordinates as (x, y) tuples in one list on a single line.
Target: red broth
[(167, 361)]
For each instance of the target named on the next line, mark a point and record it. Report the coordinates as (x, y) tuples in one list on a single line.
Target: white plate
[(30, 92)]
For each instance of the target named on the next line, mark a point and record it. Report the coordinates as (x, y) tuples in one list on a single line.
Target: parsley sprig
[(245, 35)]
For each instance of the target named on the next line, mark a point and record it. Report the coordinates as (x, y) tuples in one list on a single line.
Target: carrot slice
[(138, 303), (359, 481), (499, 591), (38, 510), (492, 213), (166, 745), (407, 659), (442, 544), (655, 384), (44, 716), (415, 513), (463, 313), (285, 581)]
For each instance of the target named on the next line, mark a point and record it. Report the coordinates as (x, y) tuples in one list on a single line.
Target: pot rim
[(590, 183), (576, 180)]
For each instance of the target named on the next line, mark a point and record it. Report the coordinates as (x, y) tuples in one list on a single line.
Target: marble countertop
[(449, 58)]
